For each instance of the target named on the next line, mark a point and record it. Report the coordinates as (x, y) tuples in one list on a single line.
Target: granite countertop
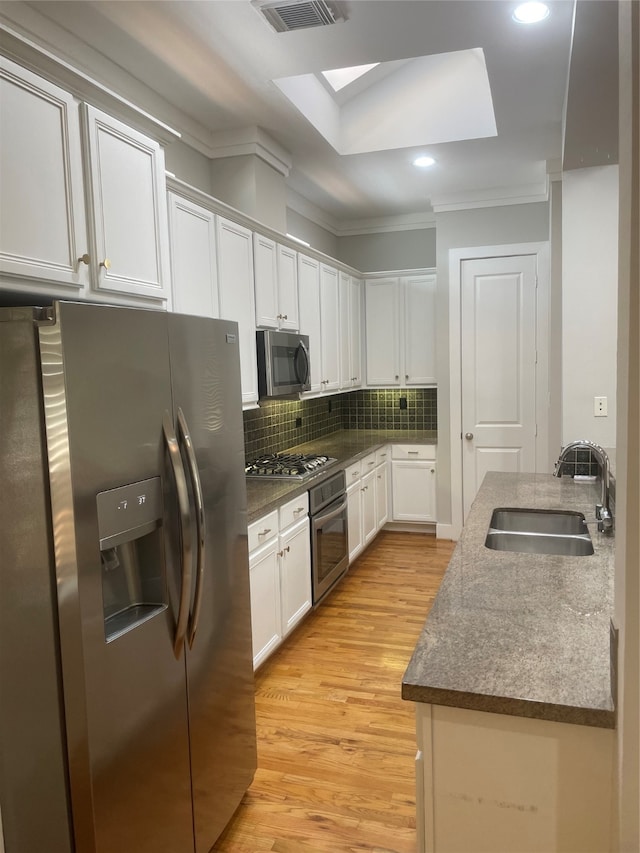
[(521, 634), (344, 445)]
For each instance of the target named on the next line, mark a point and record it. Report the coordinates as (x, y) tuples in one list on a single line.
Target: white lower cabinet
[(366, 500), (382, 487), (413, 477), (280, 573), (494, 783)]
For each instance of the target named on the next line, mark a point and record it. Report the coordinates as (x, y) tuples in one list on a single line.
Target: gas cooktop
[(287, 466)]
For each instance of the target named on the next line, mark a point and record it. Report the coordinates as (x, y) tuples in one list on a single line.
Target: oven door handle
[(319, 520)]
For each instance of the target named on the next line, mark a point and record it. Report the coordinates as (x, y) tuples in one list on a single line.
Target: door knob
[(468, 436)]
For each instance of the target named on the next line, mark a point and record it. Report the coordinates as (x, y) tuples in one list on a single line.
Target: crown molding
[(250, 140), (19, 46), (385, 224), (498, 197), (311, 211)]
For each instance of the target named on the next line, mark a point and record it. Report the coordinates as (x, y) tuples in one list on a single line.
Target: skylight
[(338, 78)]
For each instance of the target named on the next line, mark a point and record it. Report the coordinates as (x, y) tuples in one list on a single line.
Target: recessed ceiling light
[(531, 13), (424, 162)]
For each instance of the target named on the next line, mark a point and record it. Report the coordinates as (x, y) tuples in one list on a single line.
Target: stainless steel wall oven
[(329, 545)]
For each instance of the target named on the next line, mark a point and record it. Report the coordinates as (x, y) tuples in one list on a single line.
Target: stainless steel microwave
[(283, 363)]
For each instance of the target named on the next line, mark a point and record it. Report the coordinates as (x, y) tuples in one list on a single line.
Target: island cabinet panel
[(494, 783)]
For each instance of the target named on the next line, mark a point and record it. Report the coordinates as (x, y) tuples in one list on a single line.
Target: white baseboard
[(446, 531)]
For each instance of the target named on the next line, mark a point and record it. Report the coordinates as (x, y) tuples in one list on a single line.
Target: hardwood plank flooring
[(336, 743)]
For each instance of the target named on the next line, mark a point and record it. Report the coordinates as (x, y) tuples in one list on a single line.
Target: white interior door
[(498, 352)]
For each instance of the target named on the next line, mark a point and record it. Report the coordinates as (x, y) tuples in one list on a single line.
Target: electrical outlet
[(600, 407)]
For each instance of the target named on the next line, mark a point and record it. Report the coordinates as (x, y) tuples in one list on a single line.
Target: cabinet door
[(355, 324), (329, 327), (295, 574), (43, 229), (194, 274), (354, 520), (265, 261), (382, 319), (235, 281), (419, 334), (344, 316), (130, 243), (309, 293), (368, 492), (414, 489), (288, 289), (265, 602), (382, 495)]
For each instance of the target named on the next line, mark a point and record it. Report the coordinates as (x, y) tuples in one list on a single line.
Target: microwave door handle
[(184, 510), (196, 485), (304, 380), (319, 520)]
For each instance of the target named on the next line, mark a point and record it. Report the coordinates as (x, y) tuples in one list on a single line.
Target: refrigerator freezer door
[(205, 376), (31, 716), (107, 387)]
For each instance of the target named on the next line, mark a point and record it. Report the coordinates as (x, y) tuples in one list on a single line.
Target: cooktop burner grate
[(293, 466)]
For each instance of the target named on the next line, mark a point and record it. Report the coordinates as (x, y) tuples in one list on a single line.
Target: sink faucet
[(603, 511)]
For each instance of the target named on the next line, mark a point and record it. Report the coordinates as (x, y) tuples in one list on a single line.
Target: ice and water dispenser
[(131, 552)]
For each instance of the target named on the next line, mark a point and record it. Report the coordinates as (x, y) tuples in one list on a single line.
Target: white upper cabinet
[(309, 292), (419, 329), (382, 318), (235, 282), (43, 229), (350, 332), (265, 265), (329, 328), (90, 232), (400, 330), (288, 289), (194, 274), (276, 283), (130, 245)]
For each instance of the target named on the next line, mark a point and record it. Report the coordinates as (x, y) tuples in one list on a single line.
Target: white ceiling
[(216, 62)]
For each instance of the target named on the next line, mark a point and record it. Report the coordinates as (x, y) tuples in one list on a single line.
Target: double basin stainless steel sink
[(539, 531)]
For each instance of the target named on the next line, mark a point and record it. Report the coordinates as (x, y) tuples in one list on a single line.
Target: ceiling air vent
[(287, 15)]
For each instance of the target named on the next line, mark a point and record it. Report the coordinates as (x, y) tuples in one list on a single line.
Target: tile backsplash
[(381, 409), (280, 424)]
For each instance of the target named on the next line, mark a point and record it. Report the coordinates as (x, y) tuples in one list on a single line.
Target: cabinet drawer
[(353, 473), (368, 463), (295, 510), (383, 454), (262, 530), (413, 451)]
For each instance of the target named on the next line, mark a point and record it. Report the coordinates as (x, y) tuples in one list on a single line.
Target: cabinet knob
[(85, 259), (468, 436), (106, 264), (406, 376), (280, 553), (397, 377), (288, 548)]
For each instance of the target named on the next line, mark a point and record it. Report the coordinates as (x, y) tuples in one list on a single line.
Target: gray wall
[(393, 250), (316, 236), (488, 226), (188, 165)]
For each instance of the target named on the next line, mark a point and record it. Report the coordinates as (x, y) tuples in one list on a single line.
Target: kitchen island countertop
[(344, 445), (521, 634)]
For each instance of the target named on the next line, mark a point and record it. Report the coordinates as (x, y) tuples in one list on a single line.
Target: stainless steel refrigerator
[(127, 720)]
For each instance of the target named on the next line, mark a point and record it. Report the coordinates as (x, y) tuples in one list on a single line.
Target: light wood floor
[(336, 743)]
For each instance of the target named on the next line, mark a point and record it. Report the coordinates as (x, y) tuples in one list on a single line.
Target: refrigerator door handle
[(196, 485), (171, 442)]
